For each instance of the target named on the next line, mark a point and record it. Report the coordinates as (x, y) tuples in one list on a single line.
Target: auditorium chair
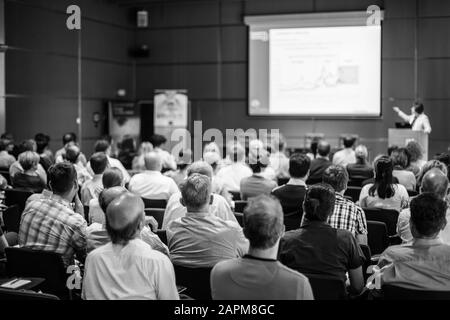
[(353, 192), (155, 203), (25, 295), (377, 236), (388, 216), (11, 218), (391, 292), (356, 181), (240, 218), (26, 262), (236, 195), (239, 206), (196, 280), (327, 288), (156, 213)]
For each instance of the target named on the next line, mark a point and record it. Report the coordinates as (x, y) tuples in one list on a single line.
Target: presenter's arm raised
[(402, 115)]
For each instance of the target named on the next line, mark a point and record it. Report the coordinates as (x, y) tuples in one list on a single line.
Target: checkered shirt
[(348, 216)]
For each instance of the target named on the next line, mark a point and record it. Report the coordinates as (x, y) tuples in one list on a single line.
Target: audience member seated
[(219, 206), (347, 155), (312, 154), (400, 160), (152, 184), (127, 267), (256, 148), (183, 161), (105, 147), (233, 173), (6, 160), (69, 139), (29, 179), (292, 194), (416, 162), (436, 182), (92, 188), (279, 162), (257, 184), (97, 234), (127, 151), (384, 193), (49, 222), (320, 163), (427, 167), (258, 275), (27, 145), (43, 150), (361, 170), (167, 159), (319, 249), (445, 159), (421, 264), (112, 177), (72, 154), (346, 215), (138, 161), (218, 185), (201, 239)]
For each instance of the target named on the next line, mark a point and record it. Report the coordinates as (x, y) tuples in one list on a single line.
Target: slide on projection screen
[(312, 65)]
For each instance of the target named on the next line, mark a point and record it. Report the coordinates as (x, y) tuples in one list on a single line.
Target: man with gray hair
[(237, 170), (258, 275), (219, 206), (201, 239), (152, 184), (436, 182), (127, 267)]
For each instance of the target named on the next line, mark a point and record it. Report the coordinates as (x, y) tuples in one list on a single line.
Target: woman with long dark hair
[(384, 193)]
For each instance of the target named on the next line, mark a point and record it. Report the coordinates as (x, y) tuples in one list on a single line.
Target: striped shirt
[(49, 223), (348, 216)]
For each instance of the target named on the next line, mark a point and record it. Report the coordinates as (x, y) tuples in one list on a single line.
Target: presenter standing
[(418, 119)]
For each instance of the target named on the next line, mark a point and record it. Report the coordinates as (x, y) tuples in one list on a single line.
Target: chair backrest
[(377, 236), (25, 295), (388, 216), (353, 192), (17, 196), (156, 213), (155, 203), (162, 234), (240, 218), (236, 195), (25, 262), (240, 205), (196, 280), (367, 259), (356, 181), (391, 292), (326, 288), (11, 218)]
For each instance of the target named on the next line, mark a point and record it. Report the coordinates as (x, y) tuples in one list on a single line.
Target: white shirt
[(113, 163), (422, 122), (96, 214), (174, 209), (233, 174), (91, 189), (134, 271), (152, 185), (344, 157)]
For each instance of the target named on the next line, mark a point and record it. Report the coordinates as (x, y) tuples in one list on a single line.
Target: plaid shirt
[(49, 223), (348, 216)]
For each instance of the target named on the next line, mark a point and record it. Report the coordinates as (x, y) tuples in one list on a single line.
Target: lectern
[(401, 137)]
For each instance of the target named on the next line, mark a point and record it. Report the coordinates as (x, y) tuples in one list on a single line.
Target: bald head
[(124, 216), (152, 161), (323, 148), (435, 181), (108, 195)]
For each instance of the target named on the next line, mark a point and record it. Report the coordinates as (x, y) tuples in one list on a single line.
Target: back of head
[(62, 177), (391, 149), (383, 178), (236, 152), (28, 160), (435, 181), (69, 137), (428, 215), (124, 218), (212, 158), (200, 167), (299, 165), (348, 142), (101, 146), (112, 177), (99, 162), (145, 147), (414, 150), (431, 165), (42, 142), (72, 153), (107, 195), (128, 144), (337, 177), (443, 157), (263, 222), (400, 158), (152, 161), (258, 160), (196, 191), (158, 140), (323, 148), (361, 153), (4, 144), (28, 145), (319, 202), (418, 107)]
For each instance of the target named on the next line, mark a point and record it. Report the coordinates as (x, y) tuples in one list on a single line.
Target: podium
[(401, 137)]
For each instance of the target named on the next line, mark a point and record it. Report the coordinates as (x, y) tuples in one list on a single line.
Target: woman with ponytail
[(317, 249), (384, 193)]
